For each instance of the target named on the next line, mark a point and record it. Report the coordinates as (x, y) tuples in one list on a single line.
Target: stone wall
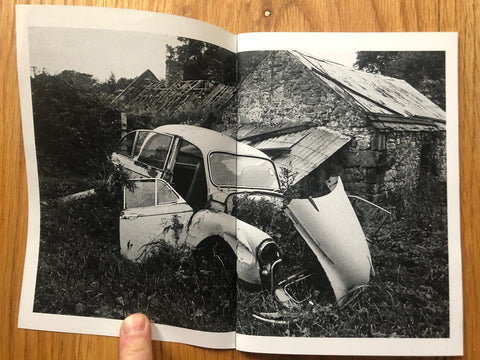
[(373, 164), (281, 89)]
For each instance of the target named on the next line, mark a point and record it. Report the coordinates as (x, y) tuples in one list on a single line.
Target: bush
[(75, 130)]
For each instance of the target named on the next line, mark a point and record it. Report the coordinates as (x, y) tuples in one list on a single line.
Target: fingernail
[(134, 324)]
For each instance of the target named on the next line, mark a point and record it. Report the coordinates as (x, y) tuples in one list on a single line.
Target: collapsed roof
[(300, 148)]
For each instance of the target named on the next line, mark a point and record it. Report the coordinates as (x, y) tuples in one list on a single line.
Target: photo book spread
[(289, 193)]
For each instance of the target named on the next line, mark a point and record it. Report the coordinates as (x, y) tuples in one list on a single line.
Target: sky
[(98, 52), (103, 52)]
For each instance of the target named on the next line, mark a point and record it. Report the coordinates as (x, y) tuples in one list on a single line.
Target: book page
[(363, 130), (89, 76)]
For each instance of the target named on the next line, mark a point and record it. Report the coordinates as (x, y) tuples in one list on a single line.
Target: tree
[(75, 130), (424, 70), (203, 61)]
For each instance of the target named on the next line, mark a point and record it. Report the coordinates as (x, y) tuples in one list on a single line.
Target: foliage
[(188, 116), (112, 87), (407, 297), (81, 272), (424, 70), (248, 62), (75, 130), (203, 61)]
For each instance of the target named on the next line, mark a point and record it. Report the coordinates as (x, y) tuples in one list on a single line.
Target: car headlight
[(268, 252), (269, 258)]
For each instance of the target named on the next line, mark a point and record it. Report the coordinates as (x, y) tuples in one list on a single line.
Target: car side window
[(155, 150), (142, 194), (141, 136), (125, 146), (149, 192), (164, 193)]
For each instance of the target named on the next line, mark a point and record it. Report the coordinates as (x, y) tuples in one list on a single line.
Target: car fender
[(243, 238)]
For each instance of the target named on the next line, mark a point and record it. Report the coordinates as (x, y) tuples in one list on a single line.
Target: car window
[(165, 194), (149, 192), (142, 135), (155, 150), (243, 171), (125, 145), (142, 195)]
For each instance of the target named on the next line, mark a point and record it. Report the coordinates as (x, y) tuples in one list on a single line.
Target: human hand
[(136, 338)]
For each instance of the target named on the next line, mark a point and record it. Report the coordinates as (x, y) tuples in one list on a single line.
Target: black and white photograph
[(240, 196), (350, 137)]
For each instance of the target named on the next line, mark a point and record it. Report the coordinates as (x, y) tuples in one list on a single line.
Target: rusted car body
[(185, 177)]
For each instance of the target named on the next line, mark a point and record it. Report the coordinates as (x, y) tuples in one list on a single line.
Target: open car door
[(153, 212), (331, 228)]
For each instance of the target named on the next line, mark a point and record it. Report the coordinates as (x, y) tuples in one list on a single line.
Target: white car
[(185, 178)]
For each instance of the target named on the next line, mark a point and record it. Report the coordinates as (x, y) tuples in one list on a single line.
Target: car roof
[(209, 140)]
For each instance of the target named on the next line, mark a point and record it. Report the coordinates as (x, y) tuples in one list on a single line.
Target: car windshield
[(243, 171)]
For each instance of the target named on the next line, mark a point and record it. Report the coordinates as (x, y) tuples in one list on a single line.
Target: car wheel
[(216, 255)]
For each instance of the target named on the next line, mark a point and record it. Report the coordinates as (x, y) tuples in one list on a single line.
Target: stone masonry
[(377, 162)]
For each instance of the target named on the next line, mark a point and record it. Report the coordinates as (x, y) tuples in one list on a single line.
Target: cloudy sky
[(98, 52), (102, 52)]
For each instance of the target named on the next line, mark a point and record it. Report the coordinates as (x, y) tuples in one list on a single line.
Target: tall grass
[(81, 272), (407, 297)]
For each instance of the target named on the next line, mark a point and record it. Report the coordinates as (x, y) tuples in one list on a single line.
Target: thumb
[(136, 338)]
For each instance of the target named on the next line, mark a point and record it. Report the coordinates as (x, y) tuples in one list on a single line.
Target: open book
[(270, 192)]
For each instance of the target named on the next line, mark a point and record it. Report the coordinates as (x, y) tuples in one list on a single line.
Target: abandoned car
[(185, 178)]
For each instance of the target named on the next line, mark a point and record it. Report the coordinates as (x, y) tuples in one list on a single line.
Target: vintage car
[(184, 180)]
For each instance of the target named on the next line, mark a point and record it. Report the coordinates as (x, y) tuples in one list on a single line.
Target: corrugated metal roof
[(376, 93), (309, 148), (256, 132)]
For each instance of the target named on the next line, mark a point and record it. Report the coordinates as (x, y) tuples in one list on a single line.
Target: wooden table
[(236, 16)]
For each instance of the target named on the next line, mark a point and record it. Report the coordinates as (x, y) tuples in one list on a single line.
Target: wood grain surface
[(236, 16)]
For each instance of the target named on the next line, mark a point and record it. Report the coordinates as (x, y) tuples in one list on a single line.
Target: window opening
[(243, 171), (142, 195), (142, 135), (189, 178)]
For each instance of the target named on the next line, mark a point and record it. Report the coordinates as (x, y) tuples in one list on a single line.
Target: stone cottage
[(379, 133)]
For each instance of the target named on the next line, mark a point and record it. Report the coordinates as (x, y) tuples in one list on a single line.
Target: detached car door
[(153, 212)]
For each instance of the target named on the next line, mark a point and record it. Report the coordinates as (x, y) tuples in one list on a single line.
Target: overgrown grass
[(407, 297), (81, 272)]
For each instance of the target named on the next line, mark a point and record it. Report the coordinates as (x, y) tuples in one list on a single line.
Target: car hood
[(331, 228)]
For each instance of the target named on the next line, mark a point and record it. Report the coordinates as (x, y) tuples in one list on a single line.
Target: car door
[(153, 213)]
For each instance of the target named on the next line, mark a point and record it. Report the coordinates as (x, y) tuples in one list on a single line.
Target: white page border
[(338, 42), (84, 17), (106, 19)]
